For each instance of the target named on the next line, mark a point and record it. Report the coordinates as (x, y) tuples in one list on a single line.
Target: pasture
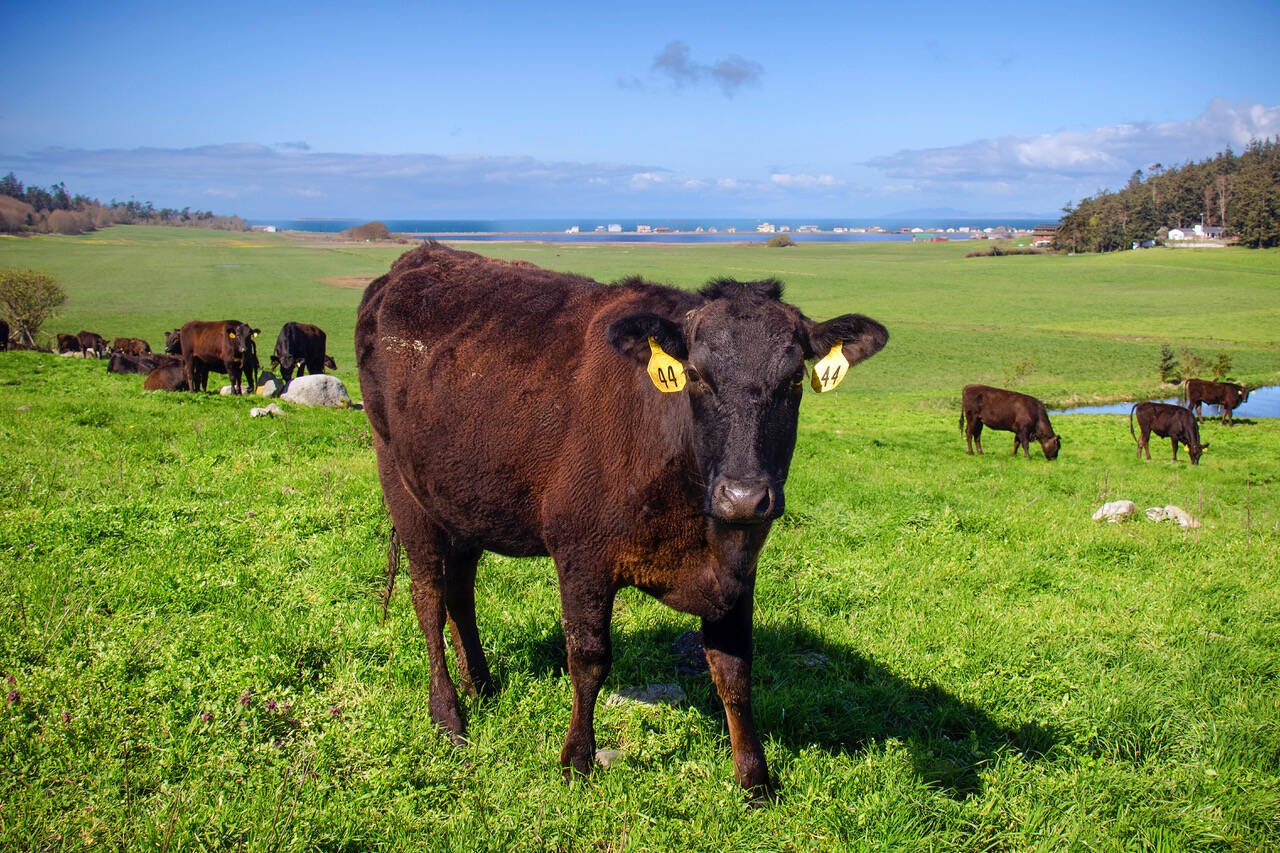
[(950, 654)]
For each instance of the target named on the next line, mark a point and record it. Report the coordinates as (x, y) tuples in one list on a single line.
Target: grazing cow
[(512, 412), (130, 346), (998, 408), (301, 346), (1173, 422), (4, 335), (167, 377), (222, 346), (92, 341), (125, 363), (68, 343), (1228, 395)]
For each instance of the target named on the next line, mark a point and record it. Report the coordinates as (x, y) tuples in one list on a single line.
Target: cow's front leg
[(728, 646), (586, 604), (1175, 449)]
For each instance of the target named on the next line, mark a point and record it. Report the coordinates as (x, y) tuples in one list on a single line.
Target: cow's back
[(492, 387)]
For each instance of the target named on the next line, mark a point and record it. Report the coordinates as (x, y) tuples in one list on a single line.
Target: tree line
[(1240, 193), (54, 210)]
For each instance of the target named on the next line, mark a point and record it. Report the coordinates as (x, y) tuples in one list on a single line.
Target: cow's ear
[(630, 336), (860, 337), (255, 332)]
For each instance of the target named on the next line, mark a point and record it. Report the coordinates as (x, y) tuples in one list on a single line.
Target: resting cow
[(512, 412), (999, 408), (224, 347), (301, 346), (167, 377), (1228, 395), (124, 363), (1173, 422), (130, 346), (68, 343)]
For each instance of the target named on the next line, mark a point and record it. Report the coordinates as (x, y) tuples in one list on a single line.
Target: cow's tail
[(393, 568), (1131, 411), (962, 418)]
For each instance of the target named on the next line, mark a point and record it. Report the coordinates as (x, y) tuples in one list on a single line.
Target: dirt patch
[(355, 282)]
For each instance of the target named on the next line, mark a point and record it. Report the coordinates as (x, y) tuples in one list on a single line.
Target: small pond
[(1263, 403)]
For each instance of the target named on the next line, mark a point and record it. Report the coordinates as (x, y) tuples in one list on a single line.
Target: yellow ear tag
[(830, 369), (667, 373)]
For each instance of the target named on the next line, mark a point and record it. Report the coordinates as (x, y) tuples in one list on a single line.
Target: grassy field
[(950, 654)]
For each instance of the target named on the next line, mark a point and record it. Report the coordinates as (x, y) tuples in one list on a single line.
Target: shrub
[(780, 241), (1169, 369), (27, 299), (1221, 367), (367, 232)]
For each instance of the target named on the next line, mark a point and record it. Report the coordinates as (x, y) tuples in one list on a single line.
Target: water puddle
[(1263, 403)]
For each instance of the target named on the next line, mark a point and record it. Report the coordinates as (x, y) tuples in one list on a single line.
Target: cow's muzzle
[(745, 501)]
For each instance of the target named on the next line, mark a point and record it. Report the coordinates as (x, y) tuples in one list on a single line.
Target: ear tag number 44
[(667, 373), (830, 369)]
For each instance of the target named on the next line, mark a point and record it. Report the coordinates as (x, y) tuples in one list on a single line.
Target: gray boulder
[(320, 389)]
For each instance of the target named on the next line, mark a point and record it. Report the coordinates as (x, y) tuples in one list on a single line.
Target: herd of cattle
[(1028, 420), (637, 434), (199, 348)]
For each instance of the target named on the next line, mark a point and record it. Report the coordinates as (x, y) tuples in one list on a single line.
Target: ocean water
[(682, 230)]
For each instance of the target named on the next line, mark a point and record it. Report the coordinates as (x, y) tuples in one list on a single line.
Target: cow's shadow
[(809, 691)]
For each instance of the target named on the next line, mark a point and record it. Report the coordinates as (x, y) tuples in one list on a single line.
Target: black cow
[(999, 408), (1228, 395), (4, 335), (521, 411), (301, 346), (1173, 422)]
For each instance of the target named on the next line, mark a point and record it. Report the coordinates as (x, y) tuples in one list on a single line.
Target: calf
[(130, 346), (1173, 422), (1228, 395), (300, 346), (223, 347), (92, 341), (522, 411), (999, 408)]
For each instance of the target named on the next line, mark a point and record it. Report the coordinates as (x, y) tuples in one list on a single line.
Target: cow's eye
[(797, 378), (692, 374)]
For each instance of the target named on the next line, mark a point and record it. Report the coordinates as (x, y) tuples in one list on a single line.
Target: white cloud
[(805, 182), (1107, 153)]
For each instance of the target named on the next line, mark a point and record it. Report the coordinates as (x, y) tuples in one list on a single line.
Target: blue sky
[(502, 110)]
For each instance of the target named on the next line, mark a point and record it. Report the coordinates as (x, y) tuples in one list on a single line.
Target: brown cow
[(1228, 395), (125, 363), (224, 347), (92, 341), (511, 412), (130, 346), (1173, 422), (68, 343), (167, 377), (173, 342), (998, 408)]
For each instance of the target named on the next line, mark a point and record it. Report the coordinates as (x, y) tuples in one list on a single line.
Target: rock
[(691, 657), (269, 386), (652, 694), (814, 660), (1115, 511), (227, 391), (607, 757), (268, 411), (320, 389), (1172, 513)]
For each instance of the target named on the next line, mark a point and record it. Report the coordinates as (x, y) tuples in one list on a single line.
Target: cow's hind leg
[(429, 553), (977, 436), (1175, 448), (460, 603), (1146, 444), (586, 607)]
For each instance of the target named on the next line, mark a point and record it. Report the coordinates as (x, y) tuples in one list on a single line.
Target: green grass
[(950, 654)]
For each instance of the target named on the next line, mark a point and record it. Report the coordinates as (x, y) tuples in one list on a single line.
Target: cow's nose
[(743, 501)]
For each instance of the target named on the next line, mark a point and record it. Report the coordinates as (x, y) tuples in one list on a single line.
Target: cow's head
[(329, 363), (173, 341), (740, 360), (1051, 446), (1194, 451), (240, 339)]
